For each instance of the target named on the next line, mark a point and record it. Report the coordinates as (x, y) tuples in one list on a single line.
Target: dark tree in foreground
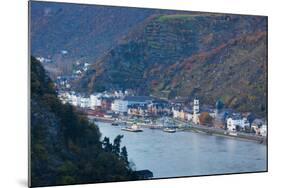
[(65, 147)]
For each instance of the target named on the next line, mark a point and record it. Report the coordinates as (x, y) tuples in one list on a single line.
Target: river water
[(188, 153)]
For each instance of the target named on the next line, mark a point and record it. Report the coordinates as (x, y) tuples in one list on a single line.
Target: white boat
[(169, 130), (232, 133), (133, 128)]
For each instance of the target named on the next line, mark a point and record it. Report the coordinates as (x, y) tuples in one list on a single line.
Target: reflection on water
[(188, 153)]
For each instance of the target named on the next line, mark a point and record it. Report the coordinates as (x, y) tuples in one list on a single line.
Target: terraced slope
[(208, 55)]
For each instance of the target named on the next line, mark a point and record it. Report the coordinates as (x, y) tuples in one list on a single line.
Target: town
[(127, 106), (124, 105)]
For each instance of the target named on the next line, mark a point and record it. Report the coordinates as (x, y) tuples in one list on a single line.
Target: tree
[(107, 146), (116, 144), (205, 118), (219, 104), (124, 154)]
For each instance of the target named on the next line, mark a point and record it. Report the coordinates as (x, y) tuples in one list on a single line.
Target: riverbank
[(200, 129), (223, 133)]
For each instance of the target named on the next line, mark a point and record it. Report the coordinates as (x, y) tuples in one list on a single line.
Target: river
[(188, 153)]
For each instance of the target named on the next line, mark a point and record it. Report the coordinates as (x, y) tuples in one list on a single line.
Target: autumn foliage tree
[(205, 118)]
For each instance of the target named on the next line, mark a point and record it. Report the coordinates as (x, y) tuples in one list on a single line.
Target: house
[(188, 114), (236, 122), (158, 107), (84, 102), (259, 127), (263, 130), (118, 94), (73, 100), (106, 103), (176, 112), (119, 106), (95, 101), (138, 109)]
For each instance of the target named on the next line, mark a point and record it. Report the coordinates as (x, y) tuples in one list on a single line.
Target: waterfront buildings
[(237, 122), (95, 101), (119, 106)]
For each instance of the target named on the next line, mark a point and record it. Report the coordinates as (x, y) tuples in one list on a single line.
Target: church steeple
[(196, 108)]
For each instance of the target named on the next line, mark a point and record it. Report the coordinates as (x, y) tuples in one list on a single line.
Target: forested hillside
[(82, 32), (65, 148), (212, 56)]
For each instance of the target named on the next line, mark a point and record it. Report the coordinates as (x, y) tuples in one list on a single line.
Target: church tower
[(196, 111), (196, 106)]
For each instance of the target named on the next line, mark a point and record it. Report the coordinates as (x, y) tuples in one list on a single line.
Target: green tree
[(124, 154), (107, 146), (116, 144)]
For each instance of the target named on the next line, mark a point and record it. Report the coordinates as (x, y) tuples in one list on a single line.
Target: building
[(188, 114), (84, 102), (196, 111), (119, 106), (176, 112), (106, 103), (95, 101), (141, 100), (236, 123), (138, 110), (73, 99), (259, 127), (263, 130)]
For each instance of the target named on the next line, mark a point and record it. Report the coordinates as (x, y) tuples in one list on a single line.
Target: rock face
[(211, 56)]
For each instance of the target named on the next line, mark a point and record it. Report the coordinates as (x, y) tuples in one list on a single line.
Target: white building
[(189, 116), (263, 130), (236, 121), (95, 101), (84, 102), (118, 94), (119, 106), (176, 112), (73, 99), (196, 111)]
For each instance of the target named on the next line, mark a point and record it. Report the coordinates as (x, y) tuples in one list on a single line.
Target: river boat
[(133, 128), (169, 130)]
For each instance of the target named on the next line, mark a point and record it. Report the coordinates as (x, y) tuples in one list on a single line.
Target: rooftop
[(138, 98)]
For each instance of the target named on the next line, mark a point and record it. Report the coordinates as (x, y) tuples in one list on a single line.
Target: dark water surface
[(188, 153)]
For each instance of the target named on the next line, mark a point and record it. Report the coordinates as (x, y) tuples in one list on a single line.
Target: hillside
[(66, 33), (65, 148), (206, 55)]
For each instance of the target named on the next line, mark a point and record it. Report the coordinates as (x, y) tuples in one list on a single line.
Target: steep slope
[(85, 32), (209, 55), (65, 148)]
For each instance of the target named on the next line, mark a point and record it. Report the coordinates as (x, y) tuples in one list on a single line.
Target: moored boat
[(114, 124), (133, 128), (169, 130)]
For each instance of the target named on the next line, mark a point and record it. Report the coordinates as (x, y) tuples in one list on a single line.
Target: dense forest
[(65, 147)]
